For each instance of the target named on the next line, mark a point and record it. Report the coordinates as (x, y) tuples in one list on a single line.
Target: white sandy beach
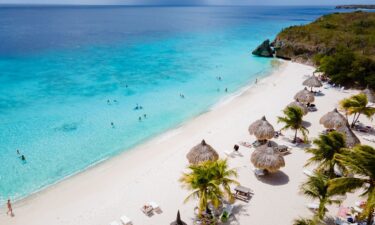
[(150, 172)]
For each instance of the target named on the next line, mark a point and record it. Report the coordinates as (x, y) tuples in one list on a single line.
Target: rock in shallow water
[(264, 49)]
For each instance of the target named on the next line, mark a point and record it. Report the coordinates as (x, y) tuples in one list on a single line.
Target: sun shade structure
[(312, 81), (201, 153), (333, 120), (178, 220), (262, 129), (370, 95), (350, 138), (299, 105), (267, 157), (304, 96)]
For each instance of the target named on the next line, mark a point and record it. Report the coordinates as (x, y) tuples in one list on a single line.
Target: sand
[(150, 172)]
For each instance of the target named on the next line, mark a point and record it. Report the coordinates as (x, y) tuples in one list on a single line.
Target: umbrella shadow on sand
[(275, 179)]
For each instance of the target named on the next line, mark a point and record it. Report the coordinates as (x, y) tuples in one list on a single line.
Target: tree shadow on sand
[(277, 178), (238, 210), (306, 124)]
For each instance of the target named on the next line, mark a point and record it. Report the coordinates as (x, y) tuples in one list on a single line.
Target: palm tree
[(356, 105), (361, 162), (223, 175), (328, 145), (209, 182), (293, 120), (316, 187)]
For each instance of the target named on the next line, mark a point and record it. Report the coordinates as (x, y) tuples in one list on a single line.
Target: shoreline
[(149, 172), (163, 135)]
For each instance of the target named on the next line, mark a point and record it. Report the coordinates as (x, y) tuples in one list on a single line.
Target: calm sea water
[(59, 66)]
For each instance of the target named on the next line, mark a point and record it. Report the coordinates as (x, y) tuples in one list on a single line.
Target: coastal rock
[(297, 51), (264, 49)]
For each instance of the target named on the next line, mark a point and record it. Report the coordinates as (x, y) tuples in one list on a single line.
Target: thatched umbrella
[(312, 81), (370, 95), (350, 138), (267, 157), (304, 96), (202, 152), (262, 129), (333, 120), (178, 220), (299, 105)]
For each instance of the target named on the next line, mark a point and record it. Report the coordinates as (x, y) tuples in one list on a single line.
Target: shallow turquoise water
[(53, 101)]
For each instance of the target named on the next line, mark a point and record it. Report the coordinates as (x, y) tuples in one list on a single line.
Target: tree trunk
[(295, 137), (352, 124), (355, 121), (369, 217)]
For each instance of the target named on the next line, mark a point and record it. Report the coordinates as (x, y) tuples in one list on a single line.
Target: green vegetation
[(317, 187), (356, 105), (360, 162), (210, 182), (292, 119), (342, 45), (328, 145)]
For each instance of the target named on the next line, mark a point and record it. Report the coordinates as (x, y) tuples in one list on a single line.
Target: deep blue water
[(60, 65)]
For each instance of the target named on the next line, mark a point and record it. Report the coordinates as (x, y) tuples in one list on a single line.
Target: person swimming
[(140, 119), (138, 107), (112, 125), (108, 102), (23, 158), (226, 89), (144, 116)]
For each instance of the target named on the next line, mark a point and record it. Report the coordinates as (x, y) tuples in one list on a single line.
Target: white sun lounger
[(155, 207), (312, 206), (229, 153), (126, 221), (308, 173), (114, 223)]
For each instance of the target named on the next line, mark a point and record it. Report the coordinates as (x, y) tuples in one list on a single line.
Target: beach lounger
[(155, 207), (147, 209), (245, 144), (313, 206), (229, 153), (114, 223), (126, 221), (308, 173)]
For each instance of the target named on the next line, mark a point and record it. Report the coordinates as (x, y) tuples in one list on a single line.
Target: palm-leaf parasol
[(333, 120), (304, 96), (312, 81), (262, 129), (202, 152), (178, 220), (350, 138), (267, 157)]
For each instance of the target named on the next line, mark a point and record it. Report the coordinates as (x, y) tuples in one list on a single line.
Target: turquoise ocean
[(68, 73)]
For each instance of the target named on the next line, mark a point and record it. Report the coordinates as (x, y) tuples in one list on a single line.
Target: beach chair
[(229, 153), (147, 209), (313, 206), (308, 173), (125, 220), (155, 207), (114, 223)]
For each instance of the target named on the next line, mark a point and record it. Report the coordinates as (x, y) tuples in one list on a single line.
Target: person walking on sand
[(10, 209)]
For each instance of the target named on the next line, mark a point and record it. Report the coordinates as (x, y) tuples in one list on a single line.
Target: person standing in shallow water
[(10, 209)]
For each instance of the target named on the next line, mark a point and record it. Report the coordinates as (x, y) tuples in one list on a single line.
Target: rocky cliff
[(355, 31)]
